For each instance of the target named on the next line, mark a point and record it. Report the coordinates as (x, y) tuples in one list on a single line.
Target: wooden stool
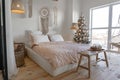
[(88, 54)]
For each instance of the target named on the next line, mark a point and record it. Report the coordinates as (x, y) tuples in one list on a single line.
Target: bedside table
[(19, 49)]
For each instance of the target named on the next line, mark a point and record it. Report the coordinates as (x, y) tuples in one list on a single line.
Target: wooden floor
[(1, 78), (32, 71)]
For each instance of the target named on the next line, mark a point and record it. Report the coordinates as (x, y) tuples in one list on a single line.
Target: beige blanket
[(60, 53)]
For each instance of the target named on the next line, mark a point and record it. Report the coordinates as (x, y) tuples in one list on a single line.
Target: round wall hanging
[(44, 12)]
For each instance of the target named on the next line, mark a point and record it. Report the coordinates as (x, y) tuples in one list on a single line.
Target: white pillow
[(56, 37), (29, 36), (40, 38), (36, 33)]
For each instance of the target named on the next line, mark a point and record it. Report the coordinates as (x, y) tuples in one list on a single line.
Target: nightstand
[(19, 49)]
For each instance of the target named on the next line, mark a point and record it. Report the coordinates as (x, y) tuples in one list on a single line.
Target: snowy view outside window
[(116, 23), (105, 25)]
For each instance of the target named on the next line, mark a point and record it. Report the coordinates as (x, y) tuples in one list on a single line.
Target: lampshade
[(74, 26), (17, 7)]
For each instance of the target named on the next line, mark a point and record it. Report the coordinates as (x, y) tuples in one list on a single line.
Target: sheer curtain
[(12, 69)]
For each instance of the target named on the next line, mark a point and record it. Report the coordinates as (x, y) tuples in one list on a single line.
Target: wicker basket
[(19, 56), (19, 49)]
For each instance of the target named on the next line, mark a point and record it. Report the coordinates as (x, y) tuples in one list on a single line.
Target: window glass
[(115, 35), (116, 15), (100, 36), (100, 17)]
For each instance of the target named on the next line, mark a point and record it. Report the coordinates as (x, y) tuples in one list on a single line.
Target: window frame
[(110, 27)]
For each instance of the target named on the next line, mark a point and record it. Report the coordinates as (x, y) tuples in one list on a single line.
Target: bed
[(55, 57)]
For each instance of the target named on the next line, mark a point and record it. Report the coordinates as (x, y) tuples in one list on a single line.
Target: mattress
[(42, 61), (56, 48), (46, 65)]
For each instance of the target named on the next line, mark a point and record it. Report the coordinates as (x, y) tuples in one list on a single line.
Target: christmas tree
[(82, 33)]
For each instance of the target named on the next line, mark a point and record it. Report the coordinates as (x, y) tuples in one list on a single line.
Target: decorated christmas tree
[(82, 33)]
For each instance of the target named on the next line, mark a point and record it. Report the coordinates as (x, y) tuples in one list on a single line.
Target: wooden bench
[(88, 54)]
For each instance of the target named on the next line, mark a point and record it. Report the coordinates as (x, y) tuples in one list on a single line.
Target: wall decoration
[(55, 0), (44, 23), (55, 11), (44, 12), (30, 8), (55, 15), (44, 17)]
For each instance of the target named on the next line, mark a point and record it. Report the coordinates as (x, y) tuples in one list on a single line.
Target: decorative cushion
[(28, 37), (56, 37), (36, 39), (36, 33)]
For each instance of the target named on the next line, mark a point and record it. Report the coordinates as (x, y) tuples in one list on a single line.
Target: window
[(100, 36), (105, 24), (100, 16), (115, 15)]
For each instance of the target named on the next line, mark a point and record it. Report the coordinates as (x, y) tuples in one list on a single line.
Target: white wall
[(76, 10), (68, 11), (12, 69), (22, 22), (87, 4), (66, 32)]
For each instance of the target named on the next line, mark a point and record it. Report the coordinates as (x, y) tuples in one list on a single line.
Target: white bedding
[(46, 65), (60, 53), (55, 57)]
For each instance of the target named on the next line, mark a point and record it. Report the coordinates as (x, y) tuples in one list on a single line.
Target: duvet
[(60, 53)]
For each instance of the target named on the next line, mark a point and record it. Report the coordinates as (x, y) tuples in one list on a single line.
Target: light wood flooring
[(1, 78), (31, 71)]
